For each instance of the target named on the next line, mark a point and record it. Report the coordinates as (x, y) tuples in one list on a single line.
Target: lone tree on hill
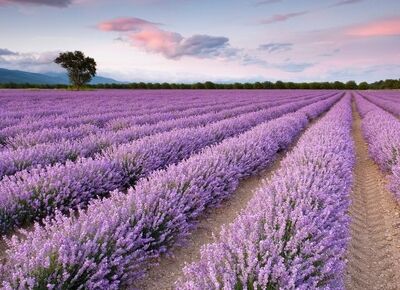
[(80, 68)]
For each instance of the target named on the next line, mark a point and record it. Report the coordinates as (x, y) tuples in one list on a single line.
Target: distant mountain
[(51, 78)]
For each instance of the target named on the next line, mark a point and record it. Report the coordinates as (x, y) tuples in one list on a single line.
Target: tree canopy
[(351, 85), (80, 68)]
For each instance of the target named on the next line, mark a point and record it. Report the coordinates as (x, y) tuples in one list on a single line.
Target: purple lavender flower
[(294, 232), (108, 245)]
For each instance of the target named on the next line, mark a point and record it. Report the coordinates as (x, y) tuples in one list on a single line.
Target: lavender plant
[(382, 132), (294, 232), (109, 245), (28, 196), (12, 161)]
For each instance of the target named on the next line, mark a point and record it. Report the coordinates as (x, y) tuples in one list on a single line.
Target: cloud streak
[(266, 2), (5, 51), (332, 53), (345, 2), (383, 27), (294, 67), (124, 24), (31, 61), (54, 3), (150, 37), (282, 17), (276, 47)]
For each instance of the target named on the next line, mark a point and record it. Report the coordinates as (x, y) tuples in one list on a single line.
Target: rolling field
[(205, 189)]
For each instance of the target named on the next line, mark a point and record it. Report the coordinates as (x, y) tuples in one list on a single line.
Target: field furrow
[(374, 251)]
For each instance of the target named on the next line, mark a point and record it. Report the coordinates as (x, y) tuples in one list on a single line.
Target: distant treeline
[(350, 85)]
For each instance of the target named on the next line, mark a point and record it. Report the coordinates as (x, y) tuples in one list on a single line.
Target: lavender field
[(199, 189)]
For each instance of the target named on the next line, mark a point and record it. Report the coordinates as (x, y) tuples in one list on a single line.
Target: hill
[(51, 78)]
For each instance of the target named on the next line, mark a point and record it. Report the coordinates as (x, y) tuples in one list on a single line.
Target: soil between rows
[(374, 250)]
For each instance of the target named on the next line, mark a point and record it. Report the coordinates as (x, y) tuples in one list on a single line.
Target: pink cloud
[(150, 37), (282, 17), (156, 40), (384, 27), (125, 24)]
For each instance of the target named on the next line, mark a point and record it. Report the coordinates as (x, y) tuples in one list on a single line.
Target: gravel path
[(374, 251)]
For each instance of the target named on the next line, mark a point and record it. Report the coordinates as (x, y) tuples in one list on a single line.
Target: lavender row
[(28, 196), (125, 122), (382, 132), (388, 105), (16, 100), (113, 119), (54, 134), (153, 103), (100, 101), (386, 94), (12, 161), (101, 119), (47, 135), (109, 245), (96, 119), (294, 232), (46, 102), (50, 135)]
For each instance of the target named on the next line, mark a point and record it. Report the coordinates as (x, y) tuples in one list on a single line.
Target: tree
[(339, 85), (304, 86), (363, 86), (80, 68), (238, 86), (290, 85), (198, 86), (209, 85), (166, 86), (315, 86), (351, 85), (258, 85), (280, 85), (248, 86), (268, 85)]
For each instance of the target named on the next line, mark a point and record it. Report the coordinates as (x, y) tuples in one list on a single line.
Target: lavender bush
[(382, 132), (12, 161), (32, 195), (66, 109), (108, 245), (294, 232), (388, 104)]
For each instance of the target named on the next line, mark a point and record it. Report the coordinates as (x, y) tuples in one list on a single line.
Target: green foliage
[(209, 85), (198, 86), (339, 85), (80, 68), (351, 85), (280, 85), (238, 86), (363, 86), (268, 85)]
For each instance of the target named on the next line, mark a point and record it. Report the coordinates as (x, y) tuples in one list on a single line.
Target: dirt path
[(374, 251)]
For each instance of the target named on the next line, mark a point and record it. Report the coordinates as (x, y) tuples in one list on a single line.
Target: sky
[(207, 40)]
